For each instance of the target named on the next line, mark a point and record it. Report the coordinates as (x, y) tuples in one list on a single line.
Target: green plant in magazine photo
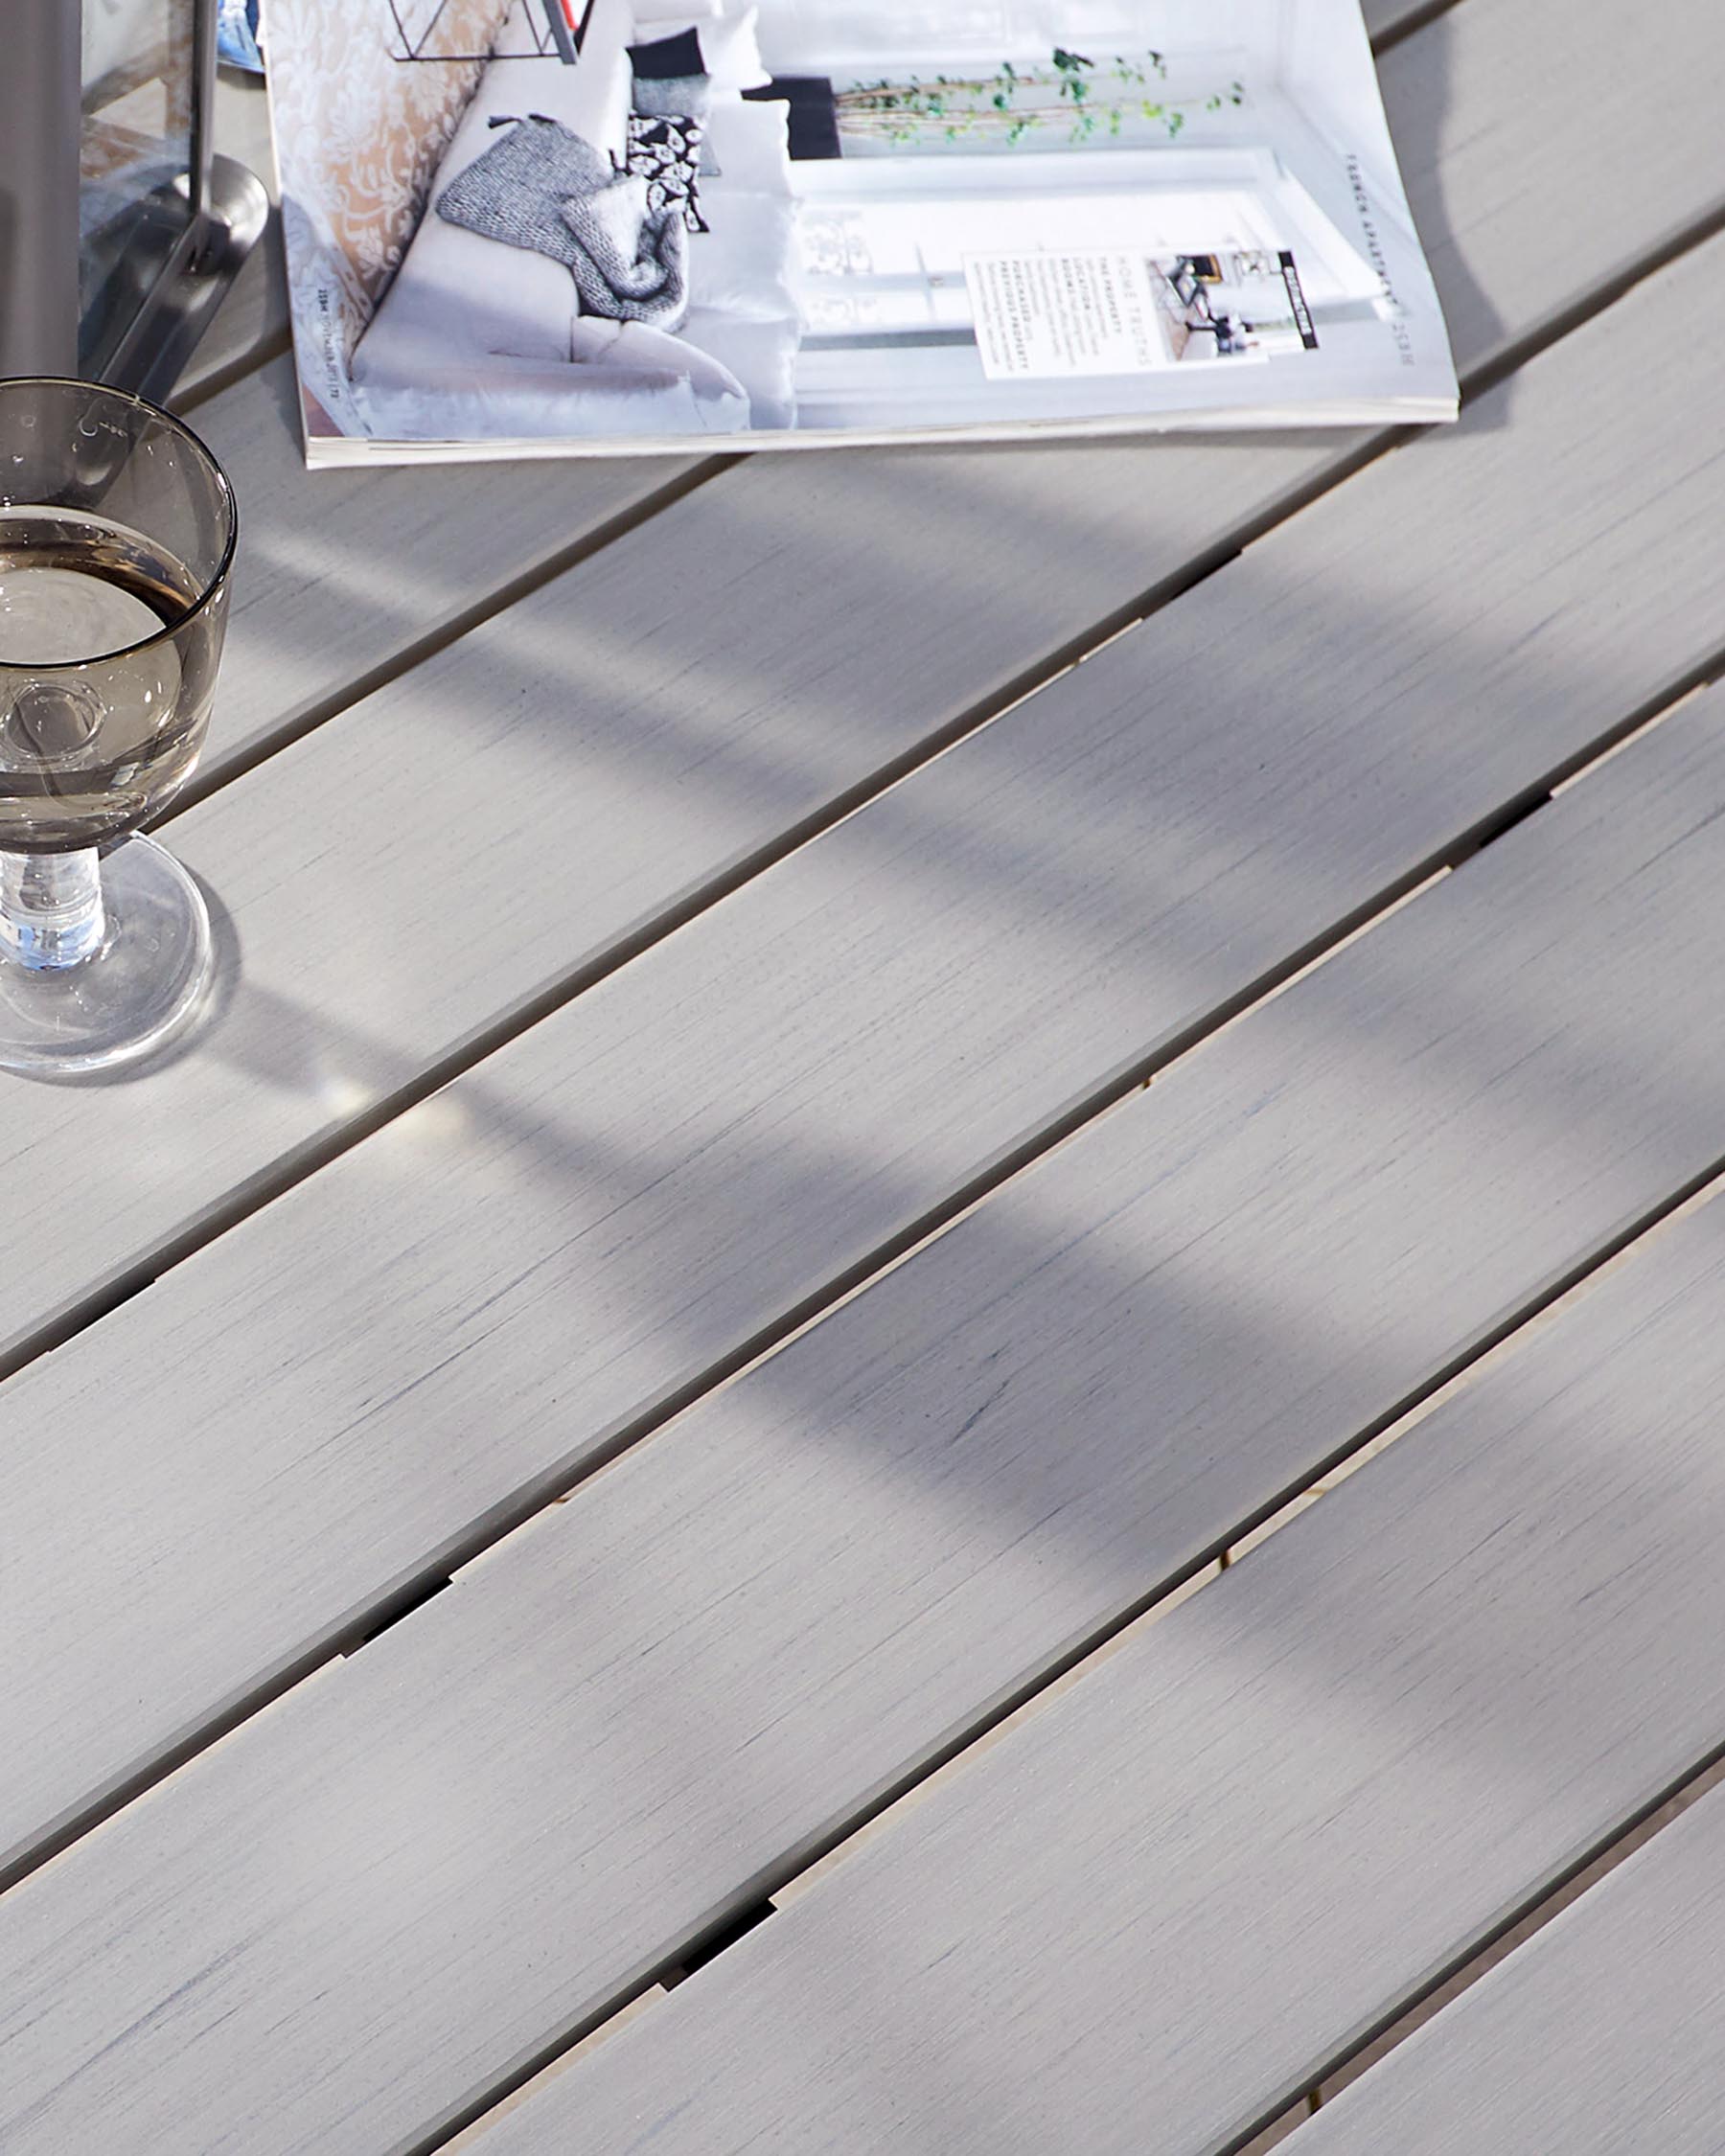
[(1072, 96)]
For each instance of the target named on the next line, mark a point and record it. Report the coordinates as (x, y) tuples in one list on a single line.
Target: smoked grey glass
[(117, 533)]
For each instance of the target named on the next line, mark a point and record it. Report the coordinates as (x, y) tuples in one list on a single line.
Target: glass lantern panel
[(135, 202)]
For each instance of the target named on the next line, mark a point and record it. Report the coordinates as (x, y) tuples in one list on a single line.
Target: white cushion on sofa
[(460, 294), (741, 264), (761, 355)]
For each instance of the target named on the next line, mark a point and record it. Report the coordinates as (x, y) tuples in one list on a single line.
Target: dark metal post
[(203, 110), (41, 90)]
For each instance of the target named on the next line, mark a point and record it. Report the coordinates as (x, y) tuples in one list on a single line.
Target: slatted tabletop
[(925, 1355)]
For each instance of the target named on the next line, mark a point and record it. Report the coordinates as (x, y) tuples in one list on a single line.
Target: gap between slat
[(1480, 1957), (295, 1167), (1706, 228), (487, 1536), (504, 1518), (447, 631), (750, 1905), (470, 2139), (1598, 1868)]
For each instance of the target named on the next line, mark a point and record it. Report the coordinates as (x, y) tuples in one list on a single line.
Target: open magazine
[(558, 227)]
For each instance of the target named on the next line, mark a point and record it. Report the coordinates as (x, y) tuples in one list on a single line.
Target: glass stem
[(50, 908)]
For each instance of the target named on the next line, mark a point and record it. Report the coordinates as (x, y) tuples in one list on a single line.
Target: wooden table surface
[(687, 1484)]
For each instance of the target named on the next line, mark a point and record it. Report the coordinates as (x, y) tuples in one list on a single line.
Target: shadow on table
[(1032, 1426)]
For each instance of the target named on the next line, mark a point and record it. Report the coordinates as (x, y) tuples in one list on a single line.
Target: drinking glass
[(116, 531)]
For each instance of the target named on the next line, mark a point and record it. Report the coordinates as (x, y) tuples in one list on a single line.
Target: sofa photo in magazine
[(574, 226)]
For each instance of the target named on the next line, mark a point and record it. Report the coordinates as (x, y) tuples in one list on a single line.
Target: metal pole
[(203, 111), (41, 92)]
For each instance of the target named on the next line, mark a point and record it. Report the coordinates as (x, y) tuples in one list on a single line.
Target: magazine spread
[(562, 227)]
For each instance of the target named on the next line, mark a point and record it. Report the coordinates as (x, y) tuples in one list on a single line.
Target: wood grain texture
[(1153, 1912), (346, 574), (328, 1931), (1598, 2036), (834, 1055), (1444, 91)]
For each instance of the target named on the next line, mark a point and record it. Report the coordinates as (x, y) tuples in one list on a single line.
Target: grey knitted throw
[(629, 261), (542, 187)]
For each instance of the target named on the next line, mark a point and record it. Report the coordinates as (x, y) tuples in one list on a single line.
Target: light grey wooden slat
[(251, 322), (884, 1014), (1441, 99), (1493, 108), (328, 1929), (348, 574), (1153, 1912), (1599, 2035)]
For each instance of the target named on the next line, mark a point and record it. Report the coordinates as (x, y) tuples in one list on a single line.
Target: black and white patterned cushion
[(664, 149)]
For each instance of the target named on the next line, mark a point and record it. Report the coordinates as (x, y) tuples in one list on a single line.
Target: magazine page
[(559, 227)]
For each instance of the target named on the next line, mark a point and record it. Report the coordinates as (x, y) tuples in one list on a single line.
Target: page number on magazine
[(1090, 311)]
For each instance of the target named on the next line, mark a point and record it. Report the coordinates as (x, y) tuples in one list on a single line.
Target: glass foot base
[(140, 987)]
